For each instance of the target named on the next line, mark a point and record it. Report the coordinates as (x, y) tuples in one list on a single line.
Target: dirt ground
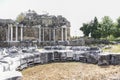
[(71, 71)]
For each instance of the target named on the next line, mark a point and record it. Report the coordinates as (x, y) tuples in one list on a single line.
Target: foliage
[(113, 49), (92, 28), (86, 29), (106, 26), (116, 31), (118, 21), (111, 38), (20, 17), (95, 29), (105, 29)]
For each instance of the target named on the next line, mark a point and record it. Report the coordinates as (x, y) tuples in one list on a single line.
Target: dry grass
[(71, 71)]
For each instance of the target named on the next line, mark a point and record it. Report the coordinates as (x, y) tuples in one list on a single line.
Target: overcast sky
[(76, 11)]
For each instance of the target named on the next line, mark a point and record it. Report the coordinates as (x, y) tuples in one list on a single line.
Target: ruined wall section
[(3, 32), (30, 33), (46, 21)]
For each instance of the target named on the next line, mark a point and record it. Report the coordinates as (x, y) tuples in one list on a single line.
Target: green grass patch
[(114, 48)]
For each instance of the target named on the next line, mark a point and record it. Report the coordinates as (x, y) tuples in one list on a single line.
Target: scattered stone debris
[(20, 58)]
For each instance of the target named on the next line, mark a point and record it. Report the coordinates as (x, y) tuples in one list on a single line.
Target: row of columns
[(10, 33), (41, 33), (54, 34)]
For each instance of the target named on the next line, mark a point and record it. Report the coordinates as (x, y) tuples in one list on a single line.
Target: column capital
[(21, 25), (39, 26), (63, 26), (9, 24)]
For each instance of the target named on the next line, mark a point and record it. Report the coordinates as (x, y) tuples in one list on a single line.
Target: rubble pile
[(31, 18), (12, 59)]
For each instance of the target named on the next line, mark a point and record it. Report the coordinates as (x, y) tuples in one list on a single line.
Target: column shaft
[(16, 33), (8, 33), (53, 34), (66, 34), (11, 32), (21, 32), (49, 34), (39, 34), (43, 34), (62, 34)]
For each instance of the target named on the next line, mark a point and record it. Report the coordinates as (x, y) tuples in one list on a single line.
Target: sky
[(76, 11)]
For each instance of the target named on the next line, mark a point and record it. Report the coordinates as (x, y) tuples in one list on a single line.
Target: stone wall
[(3, 32), (30, 33)]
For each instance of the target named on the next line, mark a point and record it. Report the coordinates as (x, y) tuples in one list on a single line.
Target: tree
[(92, 28), (118, 21), (86, 29), (106, 26), (95, 28), (20, 17), (116, 31)]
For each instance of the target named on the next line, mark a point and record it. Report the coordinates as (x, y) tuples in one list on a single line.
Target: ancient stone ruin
[(34, 27)]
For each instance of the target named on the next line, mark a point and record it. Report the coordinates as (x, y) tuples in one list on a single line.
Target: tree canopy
[(92, 28), (103, 29), (106, 26)]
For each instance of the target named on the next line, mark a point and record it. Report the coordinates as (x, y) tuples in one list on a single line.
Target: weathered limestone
[(66, 34), (11, 32), (16, 33), (49, 34), (83, 59), (62, 34), (54, 35), (21, 32), (43, 33), (8, 34), (104, 59), (39, 33), (53, 29), (115, 59), (92, 59)]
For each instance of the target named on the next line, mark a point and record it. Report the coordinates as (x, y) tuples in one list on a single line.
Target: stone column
[(8, 35), (16, 33), (49, 34), (43, 34), (39, 33), (21, 32), (66, 34), (53, 34), (62, 34), (11, 32)]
